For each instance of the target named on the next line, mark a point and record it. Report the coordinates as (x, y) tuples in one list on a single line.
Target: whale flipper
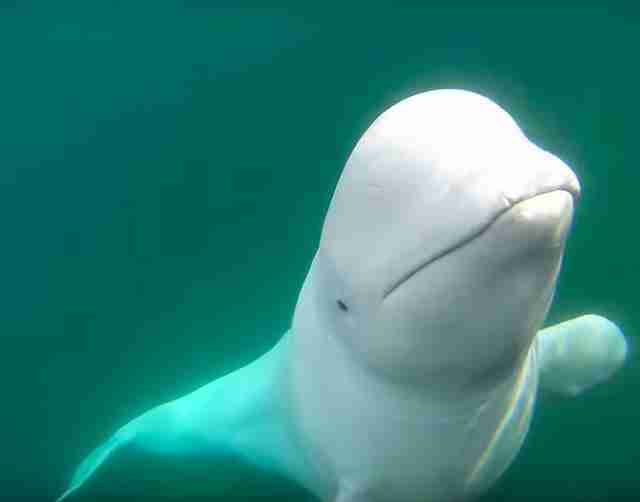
[(170, 430), (237, 416), (575, 355), (94, 460)]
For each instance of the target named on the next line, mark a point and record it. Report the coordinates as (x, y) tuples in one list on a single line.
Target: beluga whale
[(416, 349)]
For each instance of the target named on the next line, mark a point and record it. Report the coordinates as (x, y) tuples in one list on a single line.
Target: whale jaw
[(544, 218)]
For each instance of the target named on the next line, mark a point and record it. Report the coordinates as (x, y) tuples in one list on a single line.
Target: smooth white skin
[(578, 354), (443, 239)]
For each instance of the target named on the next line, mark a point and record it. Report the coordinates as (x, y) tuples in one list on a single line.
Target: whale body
[(412, 365)]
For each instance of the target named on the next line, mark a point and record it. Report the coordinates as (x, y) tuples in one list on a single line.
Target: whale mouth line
[(472, 237)]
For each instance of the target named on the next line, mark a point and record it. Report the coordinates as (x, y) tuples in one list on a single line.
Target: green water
[(164, 173)]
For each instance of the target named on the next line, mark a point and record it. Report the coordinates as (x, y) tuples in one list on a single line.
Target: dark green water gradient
[(164, 172)]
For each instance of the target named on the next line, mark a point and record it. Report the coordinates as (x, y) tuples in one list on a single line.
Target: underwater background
[(164, 173)]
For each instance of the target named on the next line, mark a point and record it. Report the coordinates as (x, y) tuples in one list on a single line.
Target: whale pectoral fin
[(236, 418), (577, 354), (179, 429), (94, 460)]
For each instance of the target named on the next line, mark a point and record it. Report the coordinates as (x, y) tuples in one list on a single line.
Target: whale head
[(440, 249)]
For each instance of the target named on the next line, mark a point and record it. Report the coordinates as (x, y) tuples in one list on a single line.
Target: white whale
[(411, 368)]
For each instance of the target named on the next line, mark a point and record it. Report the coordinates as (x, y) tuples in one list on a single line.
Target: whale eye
[(342, 306)]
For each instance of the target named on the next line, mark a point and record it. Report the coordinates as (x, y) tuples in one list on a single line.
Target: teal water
[(164, 175)]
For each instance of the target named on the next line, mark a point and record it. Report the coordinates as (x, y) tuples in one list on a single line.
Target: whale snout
[(539, 202), (542, 220), (538, 172)]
